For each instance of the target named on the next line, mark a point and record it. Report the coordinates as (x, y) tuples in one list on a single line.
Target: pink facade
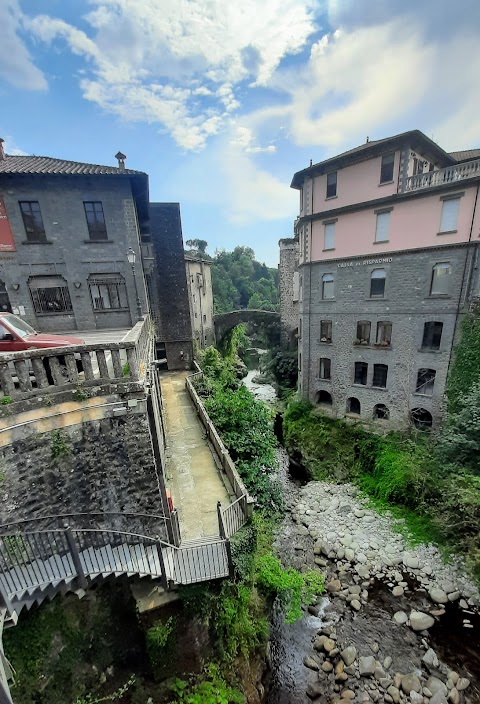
[(414, 223)]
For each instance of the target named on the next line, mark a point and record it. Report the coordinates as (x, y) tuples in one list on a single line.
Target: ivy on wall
[(465, 370)]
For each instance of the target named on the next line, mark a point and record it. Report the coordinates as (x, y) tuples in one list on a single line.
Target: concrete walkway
[(192, 475)]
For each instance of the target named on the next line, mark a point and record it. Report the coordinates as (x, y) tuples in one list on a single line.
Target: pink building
[(388, 234)]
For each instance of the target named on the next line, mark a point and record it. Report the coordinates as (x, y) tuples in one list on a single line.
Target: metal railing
[(450, 174), (35, 372), (235, 516)]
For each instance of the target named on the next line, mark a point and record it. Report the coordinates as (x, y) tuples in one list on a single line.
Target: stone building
[(199, 279), (65, 230), (289, 291), (167, 283), (388, 238)]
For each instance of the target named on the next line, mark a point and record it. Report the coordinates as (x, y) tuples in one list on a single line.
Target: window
[(363, 332), (377, 283), (383, 227), (33, 221), (440, 285), (327, 286), (421, 418), (381, 412), (418, 166), (380, 372), (386, 172), (95, 220), (329, 238), (325, 367), (299, 361), (432, 335), (50, 295), (108, 292), (325, 331), (361, 371), (300, 328), (425, 381), (353, 406), (384, 333), (449, 219), (323, 398), (204, 318), (332, 185)]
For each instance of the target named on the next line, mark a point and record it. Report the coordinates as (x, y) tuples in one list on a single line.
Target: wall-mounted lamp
[(15, 287), (77, 284)]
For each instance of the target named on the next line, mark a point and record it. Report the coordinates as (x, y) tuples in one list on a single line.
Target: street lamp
[(131, 256)]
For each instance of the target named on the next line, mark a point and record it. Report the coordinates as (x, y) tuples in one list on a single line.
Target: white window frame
[(449, 216), (382, 229), (329, 236)]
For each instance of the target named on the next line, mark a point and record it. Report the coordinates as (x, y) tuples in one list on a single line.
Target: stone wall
[(168, 287), (407, 304), (104, 465), (68, 251), (288, 295)]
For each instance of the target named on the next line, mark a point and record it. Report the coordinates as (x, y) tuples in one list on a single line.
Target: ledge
[(39, 242), (105, 241)]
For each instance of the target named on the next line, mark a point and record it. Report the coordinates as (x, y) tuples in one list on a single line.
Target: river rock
[(438, 596), (454, 696), (435, 685), (314, 690), (410, 561), (453, 676), (333, 586), (397, 591), (438, 698), (416, 698), (349, 655), (327, 666), (310, 663), (400, 617), (387, 663), (430, 658), (462, 684), (349, 554), (328, 645), (454, 596), (394, 693), (355, 604), (367, 666), (420, 621), (411, 683)]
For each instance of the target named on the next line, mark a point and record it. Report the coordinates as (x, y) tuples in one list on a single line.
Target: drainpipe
[(466, 288), (310, 297)]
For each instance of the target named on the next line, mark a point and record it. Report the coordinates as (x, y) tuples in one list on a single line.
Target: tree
[(459, 442), (199, 245)]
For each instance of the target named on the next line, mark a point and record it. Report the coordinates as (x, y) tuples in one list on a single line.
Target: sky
[(221, 102)]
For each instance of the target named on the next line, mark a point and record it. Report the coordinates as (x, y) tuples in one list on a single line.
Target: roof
[(466, 155), (415, 138), (49, 165)]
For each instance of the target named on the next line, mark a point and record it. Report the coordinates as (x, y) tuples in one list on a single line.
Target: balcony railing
[(450, 174)]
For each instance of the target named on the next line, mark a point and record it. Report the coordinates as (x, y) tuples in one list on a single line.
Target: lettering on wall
[(365, 262)]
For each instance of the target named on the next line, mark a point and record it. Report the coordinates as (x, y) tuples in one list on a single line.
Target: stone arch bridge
[(225, 322)]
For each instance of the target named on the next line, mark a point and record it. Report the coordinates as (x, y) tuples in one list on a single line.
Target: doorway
[(5, 306)]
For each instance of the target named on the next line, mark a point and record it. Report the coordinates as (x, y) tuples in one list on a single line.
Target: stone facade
[(289, 291), (407, 305), (68, 258), (168, 287), (199, 279)]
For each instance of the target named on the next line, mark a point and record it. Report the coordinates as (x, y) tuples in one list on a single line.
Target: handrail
[(85, 513)]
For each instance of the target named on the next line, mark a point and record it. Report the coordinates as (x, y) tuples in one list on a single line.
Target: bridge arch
[(224, 322)]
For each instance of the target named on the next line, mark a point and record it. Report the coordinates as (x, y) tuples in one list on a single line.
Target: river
[(444, 657)]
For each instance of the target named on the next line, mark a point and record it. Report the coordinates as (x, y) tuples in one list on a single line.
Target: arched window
[(421, 418), (377, 283), (381, 412), (353, 406), (327, 286), (441, 274), (323, 398)]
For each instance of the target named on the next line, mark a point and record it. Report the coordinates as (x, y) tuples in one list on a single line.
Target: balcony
[(450, 174)]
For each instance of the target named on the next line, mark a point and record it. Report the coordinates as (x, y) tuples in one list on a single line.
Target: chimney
[(368, 139), (2, 152), (121, 160)]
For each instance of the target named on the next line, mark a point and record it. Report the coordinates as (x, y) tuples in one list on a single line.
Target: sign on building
[(7, 243)]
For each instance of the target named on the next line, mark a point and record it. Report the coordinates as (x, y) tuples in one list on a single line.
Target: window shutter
[(383, 227), (329, 235), (449, 215)]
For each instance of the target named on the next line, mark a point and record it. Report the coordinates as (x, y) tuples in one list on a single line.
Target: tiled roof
[(48, 165), (466, 155)]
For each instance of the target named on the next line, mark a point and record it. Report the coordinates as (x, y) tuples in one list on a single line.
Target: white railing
[(450, 174)]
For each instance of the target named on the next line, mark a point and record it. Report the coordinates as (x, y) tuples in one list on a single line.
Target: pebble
[(327, 666), (310, 663), (400, 617), (397, 591)]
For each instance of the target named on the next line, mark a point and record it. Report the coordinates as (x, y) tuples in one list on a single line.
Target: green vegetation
[(80, 394), (211, 689), (158, 639), (116, 696), (6, 400), (245, 424), (60, 444), (465, 370), (239, 281), (126, 369), (432, 482)]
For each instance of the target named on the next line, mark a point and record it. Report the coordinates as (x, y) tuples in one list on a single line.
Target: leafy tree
[(199, 245), (459, 442)]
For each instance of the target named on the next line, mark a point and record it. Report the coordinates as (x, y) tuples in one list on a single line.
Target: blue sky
[(221, 102)]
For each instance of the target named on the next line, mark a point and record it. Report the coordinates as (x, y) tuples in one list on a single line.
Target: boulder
[(394, 693), (462, 684), (454, 696), (430, 659), (314, 690), (397, 591), (420, 621), (411, 683), (400, 617), (310, 663), (355, 604), (438, 698), (410, 561), (349, 655), (327, 666), (438, 596), (435, 685), (416, 698), (367, 666), (333, 586)]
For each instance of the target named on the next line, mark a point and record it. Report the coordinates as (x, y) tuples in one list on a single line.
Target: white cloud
[(243, 138), (16, 66), (137, 50), (10, 147)]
